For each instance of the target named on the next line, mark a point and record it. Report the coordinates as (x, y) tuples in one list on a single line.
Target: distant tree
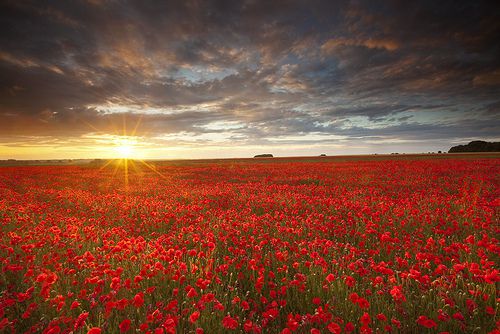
[(476, 146), (266, 155)]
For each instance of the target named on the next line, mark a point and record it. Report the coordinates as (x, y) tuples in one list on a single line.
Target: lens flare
[(125, 148), (125, 151)]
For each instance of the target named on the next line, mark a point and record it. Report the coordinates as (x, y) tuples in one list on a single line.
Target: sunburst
[(125, 146)]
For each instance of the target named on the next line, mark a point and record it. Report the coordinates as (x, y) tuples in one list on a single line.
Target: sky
[(216, 79)]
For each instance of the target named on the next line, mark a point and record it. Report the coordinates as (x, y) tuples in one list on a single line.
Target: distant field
[(339, 158), (401, 243), (402, 156)]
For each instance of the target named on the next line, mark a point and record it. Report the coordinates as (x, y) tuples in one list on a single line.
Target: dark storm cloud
[(356, 69)]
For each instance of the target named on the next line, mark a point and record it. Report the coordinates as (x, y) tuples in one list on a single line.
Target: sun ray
[(154, 169), (106, 164), (139, 121), (123, 145), (125, 174)]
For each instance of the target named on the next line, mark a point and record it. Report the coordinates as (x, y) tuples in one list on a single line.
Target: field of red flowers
[(252, 246)]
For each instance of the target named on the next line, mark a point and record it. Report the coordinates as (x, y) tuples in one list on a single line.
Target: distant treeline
[(476, 146)]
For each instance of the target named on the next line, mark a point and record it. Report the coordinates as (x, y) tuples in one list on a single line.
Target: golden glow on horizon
[(125, 145), (125, 148), (125, 151)]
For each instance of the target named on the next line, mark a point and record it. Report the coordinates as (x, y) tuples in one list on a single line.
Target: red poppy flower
[(365, 319), (139, 300), (125, 325), (330, 278), (194, 316), (334, 328), (192, 293), (426, 322), (230, 322)]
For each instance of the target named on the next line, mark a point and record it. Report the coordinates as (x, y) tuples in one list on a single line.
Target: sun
[(124, 148), (125, 151)]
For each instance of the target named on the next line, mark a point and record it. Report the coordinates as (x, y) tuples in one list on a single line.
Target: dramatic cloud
[(207, 78)]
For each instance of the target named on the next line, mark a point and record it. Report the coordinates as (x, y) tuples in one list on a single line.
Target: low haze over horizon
[(215, 79)]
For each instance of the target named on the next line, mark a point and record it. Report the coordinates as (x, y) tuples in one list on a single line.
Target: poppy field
[(252, 246)]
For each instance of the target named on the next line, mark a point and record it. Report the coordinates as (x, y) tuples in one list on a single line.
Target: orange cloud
[(487, 79), (26, 62), (371, 43)]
